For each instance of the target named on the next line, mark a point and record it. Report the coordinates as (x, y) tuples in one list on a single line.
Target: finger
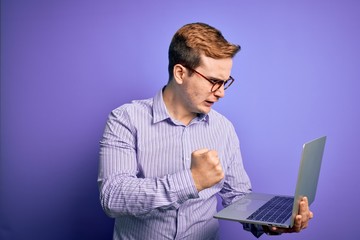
[(304, 207), (304, 217), (304, 211), (213, 153), (280, 230), (305, 199), (305, 221), (297, 223), (295, 228), (307, 215), (201, 151), (306, 204)]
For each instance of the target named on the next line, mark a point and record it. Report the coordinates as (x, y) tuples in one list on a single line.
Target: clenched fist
[(206, 168)]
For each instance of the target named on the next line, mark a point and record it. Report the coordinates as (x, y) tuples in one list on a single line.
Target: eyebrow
[(217, 80), (211, 79)]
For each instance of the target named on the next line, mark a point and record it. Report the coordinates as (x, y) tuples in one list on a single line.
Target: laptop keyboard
[(276, 210)]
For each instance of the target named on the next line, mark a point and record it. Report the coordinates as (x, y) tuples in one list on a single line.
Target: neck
[(175, 105)]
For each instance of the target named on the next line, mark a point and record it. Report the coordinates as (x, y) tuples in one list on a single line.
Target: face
[(197, 95)]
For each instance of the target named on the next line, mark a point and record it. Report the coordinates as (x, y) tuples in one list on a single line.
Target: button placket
[(185, 148)]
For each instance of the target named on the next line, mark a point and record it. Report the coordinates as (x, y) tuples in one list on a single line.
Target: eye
[(216, 81)]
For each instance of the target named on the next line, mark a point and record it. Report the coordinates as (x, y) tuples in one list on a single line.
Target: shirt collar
[(160, 112)]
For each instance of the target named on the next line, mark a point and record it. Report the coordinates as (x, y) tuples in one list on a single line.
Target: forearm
[(127, 195)]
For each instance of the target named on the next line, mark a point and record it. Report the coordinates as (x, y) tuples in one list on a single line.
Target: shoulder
[(134, 109), (130, 115)]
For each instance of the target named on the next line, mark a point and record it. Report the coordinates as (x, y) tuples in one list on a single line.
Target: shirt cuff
[(256, 230), (184, 186)]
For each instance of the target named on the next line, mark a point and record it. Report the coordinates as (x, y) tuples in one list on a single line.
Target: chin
[(204, 111)]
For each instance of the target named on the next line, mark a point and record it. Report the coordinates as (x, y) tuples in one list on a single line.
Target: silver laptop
[(277, 210)]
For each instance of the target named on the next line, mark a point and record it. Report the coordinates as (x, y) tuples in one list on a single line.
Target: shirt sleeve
[(237, 182), (121, 191)]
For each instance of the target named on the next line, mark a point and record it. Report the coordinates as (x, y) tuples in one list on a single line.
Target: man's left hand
[(301, 220)]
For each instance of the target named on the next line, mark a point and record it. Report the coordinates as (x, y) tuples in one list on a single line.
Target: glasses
[(216, 83)]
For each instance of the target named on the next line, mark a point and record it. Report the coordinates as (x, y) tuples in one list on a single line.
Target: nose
[(220, 93)]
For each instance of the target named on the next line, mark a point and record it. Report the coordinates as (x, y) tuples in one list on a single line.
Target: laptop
[(280, 210)]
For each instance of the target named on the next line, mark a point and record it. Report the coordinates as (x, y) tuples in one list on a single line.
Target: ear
[(179, 73)]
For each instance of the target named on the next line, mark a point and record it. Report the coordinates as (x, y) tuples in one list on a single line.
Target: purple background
[(66, 64)]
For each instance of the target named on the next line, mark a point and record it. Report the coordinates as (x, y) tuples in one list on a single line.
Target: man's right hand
[(206, 168)]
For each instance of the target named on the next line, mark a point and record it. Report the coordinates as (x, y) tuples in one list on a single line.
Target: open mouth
[(210, 103)]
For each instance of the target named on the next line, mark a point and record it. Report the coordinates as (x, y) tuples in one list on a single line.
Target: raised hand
[(206, 168)]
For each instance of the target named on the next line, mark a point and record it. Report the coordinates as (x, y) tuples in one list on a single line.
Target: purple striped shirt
[(144, 172)]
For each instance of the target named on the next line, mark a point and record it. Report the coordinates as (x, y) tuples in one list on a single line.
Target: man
[(164, 159)]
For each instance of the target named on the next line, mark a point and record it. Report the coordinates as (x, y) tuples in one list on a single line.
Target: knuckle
[(218, 168), (213, 153)]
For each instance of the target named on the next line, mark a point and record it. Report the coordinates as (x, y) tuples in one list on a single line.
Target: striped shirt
[(144, 172)]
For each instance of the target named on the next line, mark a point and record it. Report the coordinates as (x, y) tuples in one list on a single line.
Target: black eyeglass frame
[(217, 83)]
